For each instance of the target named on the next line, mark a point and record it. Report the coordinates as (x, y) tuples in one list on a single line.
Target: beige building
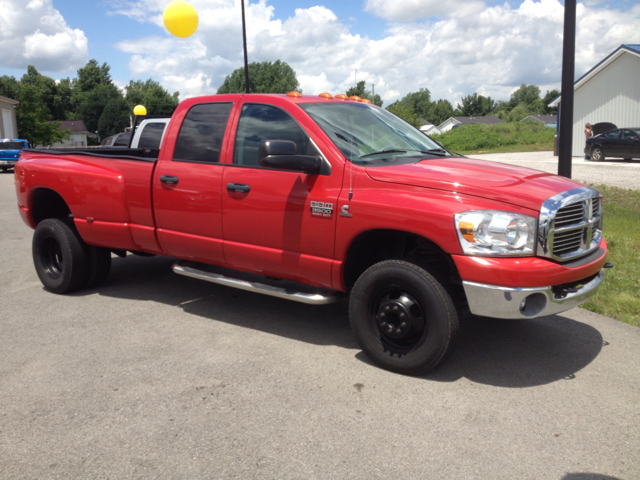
[(609, 92), (8, 125)]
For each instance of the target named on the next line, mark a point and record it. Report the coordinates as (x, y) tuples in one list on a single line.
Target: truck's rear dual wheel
[(63, 262), (402, 317)]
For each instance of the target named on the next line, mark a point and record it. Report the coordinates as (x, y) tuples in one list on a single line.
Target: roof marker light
[(355, 98), (294, 94), (342, 96), (325, 95), (366, 100)]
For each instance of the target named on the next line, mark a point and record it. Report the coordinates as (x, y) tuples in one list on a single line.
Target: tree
[(405, 112), (526, 94), (114, 118), (92, 75), (360, 91), (440, 111), (156, 99), (476, 105), (34, 119), (550, 95), (264, 77), (9, 87), (419, 102), (93, 104), (91, 92)]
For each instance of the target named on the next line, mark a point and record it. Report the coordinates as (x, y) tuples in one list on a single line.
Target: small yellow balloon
[(180, 18), (139, 110)]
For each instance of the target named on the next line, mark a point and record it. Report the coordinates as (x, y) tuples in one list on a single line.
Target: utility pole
[(244, 44), (373, 89), (356, 78), (566, 103)]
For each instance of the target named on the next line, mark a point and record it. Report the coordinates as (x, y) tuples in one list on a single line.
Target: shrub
[(468, 138)]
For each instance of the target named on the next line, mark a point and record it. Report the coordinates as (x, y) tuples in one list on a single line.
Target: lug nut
[(402, 315), (403, 324)]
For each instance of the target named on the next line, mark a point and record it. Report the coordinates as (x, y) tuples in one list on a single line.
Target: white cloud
[(467, 48), (34, 33), (412, 10)]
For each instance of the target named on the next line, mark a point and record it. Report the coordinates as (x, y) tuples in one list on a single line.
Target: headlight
[(494, 232)]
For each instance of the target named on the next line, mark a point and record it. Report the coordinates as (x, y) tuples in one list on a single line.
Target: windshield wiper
[(391, 150), (436, 151)]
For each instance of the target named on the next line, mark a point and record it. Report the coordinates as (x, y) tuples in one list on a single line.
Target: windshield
[(11, 146), (370, 135)]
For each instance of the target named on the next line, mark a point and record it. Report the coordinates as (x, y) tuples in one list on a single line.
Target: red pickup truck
[(313, 197)]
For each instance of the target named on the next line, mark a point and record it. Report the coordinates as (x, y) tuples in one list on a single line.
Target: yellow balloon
[(139, 110), (180, 18)]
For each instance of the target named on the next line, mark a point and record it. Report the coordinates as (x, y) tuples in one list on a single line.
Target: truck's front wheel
[(402, 317), (59, 257)]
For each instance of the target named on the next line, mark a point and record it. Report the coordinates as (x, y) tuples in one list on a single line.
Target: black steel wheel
[(59, 256), (402, 317), (597, 155)]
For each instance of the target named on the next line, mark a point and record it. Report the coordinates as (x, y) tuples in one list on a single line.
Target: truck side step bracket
[(194, 270)]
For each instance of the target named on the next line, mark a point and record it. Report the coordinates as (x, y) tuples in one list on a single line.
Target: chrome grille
[(570, 224)]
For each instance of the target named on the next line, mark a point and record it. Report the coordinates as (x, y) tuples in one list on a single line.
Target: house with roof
[(609, 92), (79, 134), (8, 124), (428, 127), (546, 120), (454, 122)]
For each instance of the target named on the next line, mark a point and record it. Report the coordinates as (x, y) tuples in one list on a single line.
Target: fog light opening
[(533, 305)]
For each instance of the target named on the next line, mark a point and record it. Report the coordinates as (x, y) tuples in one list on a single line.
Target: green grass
[(498, 138), (619, 294)]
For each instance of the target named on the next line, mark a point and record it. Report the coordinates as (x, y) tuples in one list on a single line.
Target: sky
[(452, 47)]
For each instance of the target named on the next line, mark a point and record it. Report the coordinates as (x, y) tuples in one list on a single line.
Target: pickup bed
[(316, 198)]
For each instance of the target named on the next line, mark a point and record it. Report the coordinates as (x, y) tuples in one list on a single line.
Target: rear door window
[(202, 132)]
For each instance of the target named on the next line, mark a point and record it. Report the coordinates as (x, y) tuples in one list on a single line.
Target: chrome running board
[(256, 287)]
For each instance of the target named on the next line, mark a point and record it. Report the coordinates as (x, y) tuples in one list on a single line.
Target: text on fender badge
[(321, 209)]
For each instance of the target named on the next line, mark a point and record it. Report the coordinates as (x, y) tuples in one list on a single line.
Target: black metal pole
[(568, 74), (244, 43)]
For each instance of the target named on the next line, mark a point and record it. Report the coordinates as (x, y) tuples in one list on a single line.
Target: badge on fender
[(321, 209)]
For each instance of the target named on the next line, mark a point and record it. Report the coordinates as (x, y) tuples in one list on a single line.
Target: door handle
[(168, 179), (238, 187)]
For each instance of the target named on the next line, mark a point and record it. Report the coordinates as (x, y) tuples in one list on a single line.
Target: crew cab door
[(277, 222), (187, 183)]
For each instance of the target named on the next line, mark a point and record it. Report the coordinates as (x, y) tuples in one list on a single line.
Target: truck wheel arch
[(47, 203), (374, 246)]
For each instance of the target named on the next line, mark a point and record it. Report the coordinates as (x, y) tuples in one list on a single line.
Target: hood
[(520, 186)]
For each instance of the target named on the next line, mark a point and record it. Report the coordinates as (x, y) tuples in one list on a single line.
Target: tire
[(59, 256), (99, 265), (597, 155), (387, 295)]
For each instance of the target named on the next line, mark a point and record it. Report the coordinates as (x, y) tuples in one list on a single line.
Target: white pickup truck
[(149, 134)]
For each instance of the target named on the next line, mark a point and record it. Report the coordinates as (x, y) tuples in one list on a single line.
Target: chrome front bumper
[(516, 303)]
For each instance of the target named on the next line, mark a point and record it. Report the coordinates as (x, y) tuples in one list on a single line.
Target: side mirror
[(282, 155)]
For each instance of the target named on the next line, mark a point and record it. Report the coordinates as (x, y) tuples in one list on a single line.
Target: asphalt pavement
[(615, 171), (155, 375)]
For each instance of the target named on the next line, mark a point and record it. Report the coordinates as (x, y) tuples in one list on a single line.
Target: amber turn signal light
[(466, 230)]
